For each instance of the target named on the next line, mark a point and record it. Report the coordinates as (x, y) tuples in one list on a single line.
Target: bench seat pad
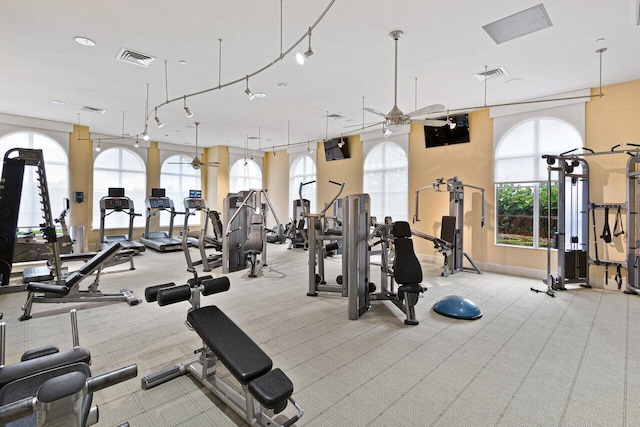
[(239, 353), (271, 389)]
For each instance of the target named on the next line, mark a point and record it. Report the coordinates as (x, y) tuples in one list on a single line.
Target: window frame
[(184, 166)]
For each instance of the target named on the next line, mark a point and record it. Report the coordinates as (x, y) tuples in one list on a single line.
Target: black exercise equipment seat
[(60, 383), (407, 270), (87, 268), (241, 355), (33, 365)]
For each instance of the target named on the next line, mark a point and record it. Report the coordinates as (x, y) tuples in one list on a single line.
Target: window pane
[(518, 142), (244, 176), (108, 159), (386, 181), (545, 238), (130, 161), (515, 218)]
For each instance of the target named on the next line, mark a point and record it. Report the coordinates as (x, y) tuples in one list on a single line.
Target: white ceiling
[(443, 46)]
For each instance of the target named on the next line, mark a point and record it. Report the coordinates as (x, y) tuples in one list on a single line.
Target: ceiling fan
[(395, 120), (196, 163)]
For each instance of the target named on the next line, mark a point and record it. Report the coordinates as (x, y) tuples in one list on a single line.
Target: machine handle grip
[(151, 293), (307, 183), (214, 286), (336, 183), (173, 295), (114, 377), (18, 409)]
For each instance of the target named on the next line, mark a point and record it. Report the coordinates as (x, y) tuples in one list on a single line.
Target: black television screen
[(440, 136), (116, 192), (195, 194), (336, 149), (158, 192)]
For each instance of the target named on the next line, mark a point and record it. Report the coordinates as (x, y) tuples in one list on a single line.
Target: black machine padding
[(61, 386), (448, 230), (34, 353), (151, 292), (214, 286), (239, 353), (28, 386), (406, 267), (94, 263), (48, 288), (271, 389), (173, 295), (401, 229), (11, 373)]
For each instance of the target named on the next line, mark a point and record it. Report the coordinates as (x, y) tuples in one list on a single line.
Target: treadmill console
[(159, 203), (116, 203), (195, 203)]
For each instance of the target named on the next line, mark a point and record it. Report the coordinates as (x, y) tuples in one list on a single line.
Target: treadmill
[(116, 201), (192, 206), (160, 241)]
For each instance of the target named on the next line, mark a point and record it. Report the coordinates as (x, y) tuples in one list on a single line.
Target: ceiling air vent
[(491, 74), (93, 110), (136, 58)]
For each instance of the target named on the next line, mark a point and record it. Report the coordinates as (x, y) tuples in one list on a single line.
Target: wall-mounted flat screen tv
[(445, 135), (336, 149)]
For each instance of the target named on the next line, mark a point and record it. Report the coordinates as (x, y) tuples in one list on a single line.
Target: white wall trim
[(241, 152), (187, 150), (117, 141), (29, 122)]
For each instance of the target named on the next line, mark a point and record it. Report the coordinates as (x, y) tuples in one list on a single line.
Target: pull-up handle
[(336, 183)]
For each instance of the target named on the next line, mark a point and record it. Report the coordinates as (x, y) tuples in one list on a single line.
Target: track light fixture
[(341, 143), (137, 144), (145, 135), (274, 152), (309, 148), (186, 109), (250, 94), (158, 122), (98, 149), (302, 57)]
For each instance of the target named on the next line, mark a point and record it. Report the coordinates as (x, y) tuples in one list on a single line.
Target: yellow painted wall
[(276, 181), (81, 179), (345, 170)]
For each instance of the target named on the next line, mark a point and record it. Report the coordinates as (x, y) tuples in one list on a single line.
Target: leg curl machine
[(223, 340)]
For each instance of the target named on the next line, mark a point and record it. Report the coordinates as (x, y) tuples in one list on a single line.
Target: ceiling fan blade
[(371, 110), (212, 164), (427, 110), (179, 163), (432, 123)]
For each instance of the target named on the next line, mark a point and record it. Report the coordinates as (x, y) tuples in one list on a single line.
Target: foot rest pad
[(47, 288), (271, 389), (235, 349)]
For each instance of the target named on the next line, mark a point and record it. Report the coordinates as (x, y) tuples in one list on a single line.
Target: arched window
[(245, 174), (119, 167), (386, 180), (56, 168), (177, 177), (303, 169), (521, 179)]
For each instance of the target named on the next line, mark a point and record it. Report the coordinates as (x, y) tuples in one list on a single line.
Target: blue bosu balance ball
[(457, 307)]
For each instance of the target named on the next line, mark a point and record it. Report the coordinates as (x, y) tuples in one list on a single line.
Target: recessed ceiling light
[(350, 120), (260, 95), (182, 61), (282, 85), (57, 102), (84, 41), (513, 81)]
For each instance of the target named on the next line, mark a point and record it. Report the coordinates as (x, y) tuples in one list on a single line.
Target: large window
[(245, 174), (386, 181), (119, 167), (521, 179), (177, 177), (57, 171), (303, 169)]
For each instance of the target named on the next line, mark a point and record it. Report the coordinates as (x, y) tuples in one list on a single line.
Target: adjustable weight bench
[(223, 340), (70, 291)]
